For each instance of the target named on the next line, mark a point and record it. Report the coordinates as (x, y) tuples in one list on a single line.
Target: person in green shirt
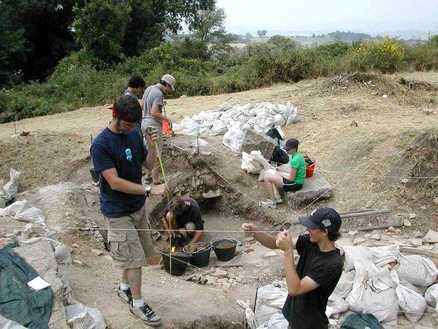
[(290, 181)]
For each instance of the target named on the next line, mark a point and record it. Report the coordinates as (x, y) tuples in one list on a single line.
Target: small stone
[(412, 216), (78, 262), (359, 241), (220, 273), (415, 242), (385, 96), (407, 223), (270, 254), (391, 229), (376, 236), (405, 180), (75, 245), (431, 237), (97, 252), (352, 233)]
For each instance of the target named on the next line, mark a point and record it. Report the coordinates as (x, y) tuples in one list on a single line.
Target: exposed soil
[(369, 147)]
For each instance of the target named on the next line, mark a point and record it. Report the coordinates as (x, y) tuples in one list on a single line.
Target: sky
[(322, 16)]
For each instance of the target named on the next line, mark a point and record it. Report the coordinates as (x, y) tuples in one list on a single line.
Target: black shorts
[(290, 186)]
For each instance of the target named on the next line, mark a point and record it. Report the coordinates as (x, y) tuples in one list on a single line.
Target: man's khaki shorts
[(129, 247)]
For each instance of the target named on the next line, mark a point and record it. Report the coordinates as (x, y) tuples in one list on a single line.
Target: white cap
[(170, 80)]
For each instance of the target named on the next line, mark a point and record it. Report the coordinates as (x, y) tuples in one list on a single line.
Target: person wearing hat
[(153, 112), (290, 180), (312, 280), (118, 154)]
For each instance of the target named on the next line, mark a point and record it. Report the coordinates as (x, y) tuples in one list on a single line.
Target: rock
[(78, 262), (352, 233), (412, 216), (435, 201), (391, 229), (359, 241), (220, 274), (418, 234), (376, 236), (431, 237), (75, 245), (407, 223), (415, 242), (253, 141), (315, 188), (385, 96), (97, 252), (270, 254), (405, 180)]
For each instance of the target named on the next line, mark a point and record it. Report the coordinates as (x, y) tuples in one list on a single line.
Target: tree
[(283, 42), (262, 33), (209, 24), (34, 36), (100, 28)]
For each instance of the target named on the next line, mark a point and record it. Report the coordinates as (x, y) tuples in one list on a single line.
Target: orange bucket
[(165, 127), (310, 169)]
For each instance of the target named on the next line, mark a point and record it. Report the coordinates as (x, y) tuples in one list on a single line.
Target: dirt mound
[(378, 84), (43, 158), (422, 156)]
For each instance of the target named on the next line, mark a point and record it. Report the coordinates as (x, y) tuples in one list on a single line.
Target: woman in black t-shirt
[(313, 279)]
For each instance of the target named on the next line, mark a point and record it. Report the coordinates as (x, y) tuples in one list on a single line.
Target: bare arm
[(265, 239), (197, 236), (120, 184), (157, 113), (295, 285)]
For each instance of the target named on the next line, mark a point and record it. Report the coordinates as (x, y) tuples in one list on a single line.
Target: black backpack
[(279, 155)]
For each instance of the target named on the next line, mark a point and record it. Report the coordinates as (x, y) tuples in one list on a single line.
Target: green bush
[(385, 56), (77, 82)]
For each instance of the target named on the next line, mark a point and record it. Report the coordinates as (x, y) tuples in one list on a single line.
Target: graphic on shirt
[(128, 154)]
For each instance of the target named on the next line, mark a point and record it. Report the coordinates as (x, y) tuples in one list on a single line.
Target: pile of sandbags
[(382, 282), (259, 117)]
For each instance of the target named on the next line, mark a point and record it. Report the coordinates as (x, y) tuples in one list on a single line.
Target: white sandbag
[(10, 189), (336, 305), (356, 256), (22, 211), (417, 270), (219, 128), (82, 317), (233, 138), (345, 284), (411, 303), (431, 296), (270, 300), (250, 165), (385, 255), (277, 321), (374, 292)]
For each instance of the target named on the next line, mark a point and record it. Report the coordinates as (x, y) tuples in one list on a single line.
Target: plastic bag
[(431, 296), (417, 270), (336, 305), (249, 164), (233, 138), (82, 317), (411, 303), (277, 321), (374, 292), (10, 189), (345, 284), (21, 210)]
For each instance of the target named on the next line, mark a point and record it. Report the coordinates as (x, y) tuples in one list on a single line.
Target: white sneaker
[(268, 204), (146, 314)]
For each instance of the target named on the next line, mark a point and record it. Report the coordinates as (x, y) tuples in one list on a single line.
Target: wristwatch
[(147, 190)]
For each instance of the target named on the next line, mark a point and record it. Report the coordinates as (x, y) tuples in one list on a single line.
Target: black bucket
[(200, 257), (178, 260), (225, 249)]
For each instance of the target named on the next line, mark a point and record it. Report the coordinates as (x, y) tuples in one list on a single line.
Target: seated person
[(290, 180), (183, 216)]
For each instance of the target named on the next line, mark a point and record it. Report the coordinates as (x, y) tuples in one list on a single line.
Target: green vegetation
[(203, 70)]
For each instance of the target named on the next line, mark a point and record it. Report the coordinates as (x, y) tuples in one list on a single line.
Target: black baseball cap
[(291, 143), (324, 219)]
